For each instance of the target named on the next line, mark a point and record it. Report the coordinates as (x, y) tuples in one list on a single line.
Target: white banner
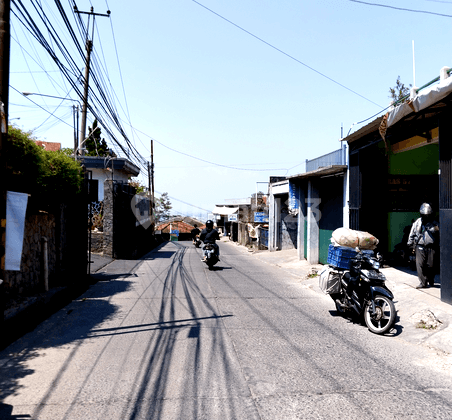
[(16, 206)]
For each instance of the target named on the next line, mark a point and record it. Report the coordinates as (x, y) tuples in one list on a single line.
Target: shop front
[(399, 161)]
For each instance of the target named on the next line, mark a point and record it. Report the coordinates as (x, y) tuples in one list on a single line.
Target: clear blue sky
[(200, 85)]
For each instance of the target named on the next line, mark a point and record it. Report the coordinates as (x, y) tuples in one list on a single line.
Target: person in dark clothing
[(195, 232), (209, 235), (424, 239)]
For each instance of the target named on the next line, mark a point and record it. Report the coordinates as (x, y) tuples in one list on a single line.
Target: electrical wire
[(399, 8), (184, 202), (105, 100), (286, 54), (64, 122), (207, 161)]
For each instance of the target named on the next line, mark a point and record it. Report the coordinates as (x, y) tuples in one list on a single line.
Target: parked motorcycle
[(362, 290), (211, 257), (197, 241)]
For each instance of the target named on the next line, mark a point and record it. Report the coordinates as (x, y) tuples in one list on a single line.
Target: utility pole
[(5, 9), (149, 179), (149, 190), (152, 175), (89, 48)]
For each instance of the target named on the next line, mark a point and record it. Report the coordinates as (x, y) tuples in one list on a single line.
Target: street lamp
[(76, 115)]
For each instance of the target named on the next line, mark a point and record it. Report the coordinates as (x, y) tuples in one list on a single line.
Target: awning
[(423, 100), (280, 187), (225, 211), (320, 172)]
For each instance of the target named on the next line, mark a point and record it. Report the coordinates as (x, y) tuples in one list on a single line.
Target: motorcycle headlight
[(372, 275), (365, 274), (375, 264)]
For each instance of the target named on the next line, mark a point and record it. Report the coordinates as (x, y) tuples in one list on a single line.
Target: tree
[(162, 208), (399, 91), (136, 183), (95, 145), (46, 175)]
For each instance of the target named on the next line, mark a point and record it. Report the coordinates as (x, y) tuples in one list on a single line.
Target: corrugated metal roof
[(325, 170), (367, 129)]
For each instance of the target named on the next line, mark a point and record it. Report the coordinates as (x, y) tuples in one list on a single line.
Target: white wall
[(103, 174)]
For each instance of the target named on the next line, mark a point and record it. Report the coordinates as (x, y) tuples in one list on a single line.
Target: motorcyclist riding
[(209, 235), (195, 232)]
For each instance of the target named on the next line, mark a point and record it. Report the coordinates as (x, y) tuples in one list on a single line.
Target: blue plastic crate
[(340, 256)]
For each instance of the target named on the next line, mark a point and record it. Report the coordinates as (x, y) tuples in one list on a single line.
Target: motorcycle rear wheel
[(381, 322)]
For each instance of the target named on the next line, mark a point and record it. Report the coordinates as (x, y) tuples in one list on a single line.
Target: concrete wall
[(103, 175)]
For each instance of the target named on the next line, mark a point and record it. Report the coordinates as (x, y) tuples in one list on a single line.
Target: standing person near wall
[(424, 239)]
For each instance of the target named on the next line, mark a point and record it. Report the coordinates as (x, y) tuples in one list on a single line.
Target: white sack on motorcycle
[(330, 281), (354, 238)]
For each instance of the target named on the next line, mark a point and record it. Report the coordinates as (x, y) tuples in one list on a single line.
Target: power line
[(183, 202), (399, 8), (206, 161), (51, 113), (440, 1), (286, 54)]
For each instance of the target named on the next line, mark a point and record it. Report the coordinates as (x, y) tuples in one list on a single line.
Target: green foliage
[(162, 207), (24, 159), (95, 145), (399, 91), (69, 151), (139, 187), (61, 175), (46, 175)]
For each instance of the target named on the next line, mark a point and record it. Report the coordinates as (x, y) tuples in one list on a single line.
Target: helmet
[(209, 224), (195, 225), (426, 209)]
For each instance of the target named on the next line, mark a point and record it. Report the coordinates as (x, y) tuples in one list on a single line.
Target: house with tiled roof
[(48, 145)]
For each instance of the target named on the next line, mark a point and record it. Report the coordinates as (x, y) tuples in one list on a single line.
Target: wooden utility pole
[(152, 181), (152, 172), (5, 9), (89, 48)]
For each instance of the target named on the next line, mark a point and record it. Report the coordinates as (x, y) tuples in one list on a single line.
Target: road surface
[(167, 339)]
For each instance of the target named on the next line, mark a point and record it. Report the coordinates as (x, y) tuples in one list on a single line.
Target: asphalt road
[(168, 339)]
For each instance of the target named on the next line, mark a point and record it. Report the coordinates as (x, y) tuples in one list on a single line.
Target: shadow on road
[(6, 413), (72, 323)]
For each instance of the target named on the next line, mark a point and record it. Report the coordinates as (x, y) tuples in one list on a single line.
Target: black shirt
[(195, 232), (209, 237)]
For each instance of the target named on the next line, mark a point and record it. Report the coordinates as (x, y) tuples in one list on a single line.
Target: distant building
[(106, 168), (49, 146)]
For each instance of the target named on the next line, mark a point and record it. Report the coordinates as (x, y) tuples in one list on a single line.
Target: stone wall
[(30, 277), (107, 245), (97, 242)]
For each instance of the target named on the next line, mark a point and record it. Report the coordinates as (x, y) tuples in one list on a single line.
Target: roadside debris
[(426, 319)]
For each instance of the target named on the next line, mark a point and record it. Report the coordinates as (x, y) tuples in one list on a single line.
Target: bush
[(23, 162), (61, 175), (49, 176)]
